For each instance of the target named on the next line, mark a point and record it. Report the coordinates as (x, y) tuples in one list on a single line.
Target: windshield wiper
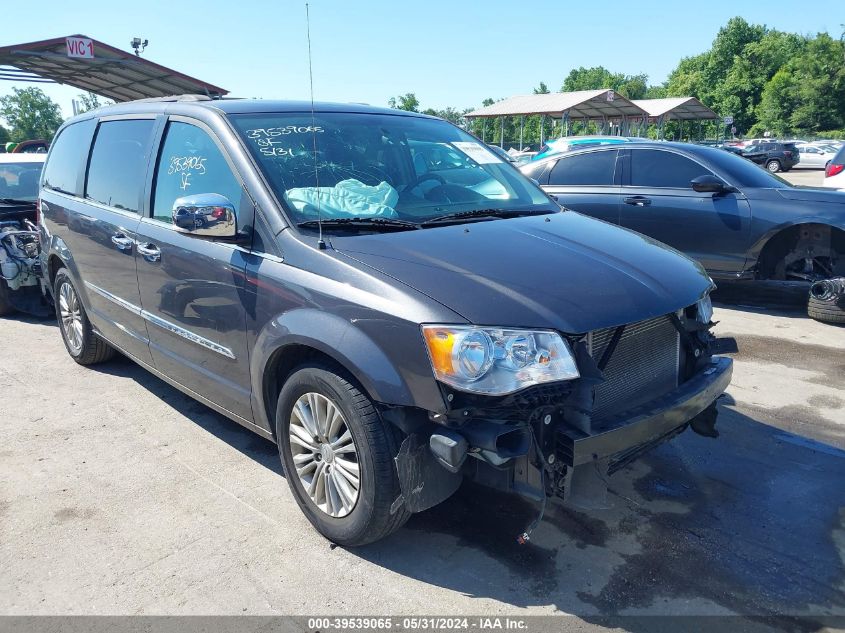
[(16, 201), (483, 213), (368, 223)]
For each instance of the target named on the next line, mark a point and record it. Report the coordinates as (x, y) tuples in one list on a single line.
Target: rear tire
[(773, 166), (374, 446), (83, 345)]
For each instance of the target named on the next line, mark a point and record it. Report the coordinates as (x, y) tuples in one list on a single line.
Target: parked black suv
[(393, 317), (773, 156)]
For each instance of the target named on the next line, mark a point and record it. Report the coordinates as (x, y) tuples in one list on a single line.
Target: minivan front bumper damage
[(553, 458), (614, 438)]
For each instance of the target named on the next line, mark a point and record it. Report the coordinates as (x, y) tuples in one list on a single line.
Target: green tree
[(450, 114), (820, 76), (598, 77), (542, 89), (30, 114), (407, 101), (89, 101), (4, 136)]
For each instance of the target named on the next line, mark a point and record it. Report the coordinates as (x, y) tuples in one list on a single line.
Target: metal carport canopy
[(581, 104), (683, 108), (109, 71)]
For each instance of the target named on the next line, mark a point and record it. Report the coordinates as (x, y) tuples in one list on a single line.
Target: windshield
[(741, 171), (382, 166), (19, 181)]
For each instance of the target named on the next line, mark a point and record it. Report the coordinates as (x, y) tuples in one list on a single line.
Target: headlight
[(704, 309), (497, 361)]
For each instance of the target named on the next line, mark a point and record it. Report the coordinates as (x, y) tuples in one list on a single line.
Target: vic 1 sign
[(80, 47)]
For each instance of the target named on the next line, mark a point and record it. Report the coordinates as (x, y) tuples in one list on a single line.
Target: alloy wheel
[(71, 316), (324, 454)]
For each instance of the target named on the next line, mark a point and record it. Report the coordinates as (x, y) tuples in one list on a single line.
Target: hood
[(812, 194), (563, 271)]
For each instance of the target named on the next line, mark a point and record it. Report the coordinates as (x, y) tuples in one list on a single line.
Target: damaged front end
[(20, 269), (639, 385)]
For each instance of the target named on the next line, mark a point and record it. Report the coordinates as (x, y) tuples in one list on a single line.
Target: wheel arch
[(307, 335), (775, 244)]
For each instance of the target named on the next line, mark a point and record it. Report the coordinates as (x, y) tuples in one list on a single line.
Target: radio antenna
[(320, 243)]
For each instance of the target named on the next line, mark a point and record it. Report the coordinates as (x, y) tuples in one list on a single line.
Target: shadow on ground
[(766, 297), (751, 523), (250, 444)]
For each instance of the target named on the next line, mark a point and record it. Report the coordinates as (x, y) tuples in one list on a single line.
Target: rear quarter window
[(539, 171), (66, 162), (591, 168)]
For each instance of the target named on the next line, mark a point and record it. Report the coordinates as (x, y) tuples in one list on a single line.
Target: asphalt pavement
[(120, 495)]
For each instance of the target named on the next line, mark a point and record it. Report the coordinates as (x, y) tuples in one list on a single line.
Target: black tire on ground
[(773, 166), (827, 311), (91, 348), (376, 443), (5, 305)]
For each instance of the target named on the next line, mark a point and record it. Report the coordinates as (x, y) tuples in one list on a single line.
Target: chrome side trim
[(163, 323), (187, 334), (131, 307)]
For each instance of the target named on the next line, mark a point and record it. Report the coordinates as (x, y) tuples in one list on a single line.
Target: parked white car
[(814, 156)]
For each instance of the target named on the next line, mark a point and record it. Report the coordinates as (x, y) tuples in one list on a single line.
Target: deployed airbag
[(347, 198)]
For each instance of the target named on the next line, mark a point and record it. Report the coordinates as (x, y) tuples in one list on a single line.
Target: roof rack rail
[(174, 98)]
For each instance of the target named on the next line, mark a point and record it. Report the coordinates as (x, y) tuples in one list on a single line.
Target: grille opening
[(644, 365)]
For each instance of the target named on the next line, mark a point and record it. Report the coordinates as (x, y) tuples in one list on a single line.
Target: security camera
[(139, 45)]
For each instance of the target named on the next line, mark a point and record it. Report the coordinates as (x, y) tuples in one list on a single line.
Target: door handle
[(122, 242), (149, 252), (637, 201)]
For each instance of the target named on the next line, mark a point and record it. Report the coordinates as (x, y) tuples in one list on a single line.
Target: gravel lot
[(119, 495)]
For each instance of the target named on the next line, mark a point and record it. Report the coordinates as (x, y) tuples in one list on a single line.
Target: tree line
[(771, 81), (767, 80)]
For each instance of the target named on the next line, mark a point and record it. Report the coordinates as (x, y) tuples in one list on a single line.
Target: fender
[(406, 383)]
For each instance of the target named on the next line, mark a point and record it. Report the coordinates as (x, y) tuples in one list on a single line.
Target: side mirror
[(205, 215), (710, 184)]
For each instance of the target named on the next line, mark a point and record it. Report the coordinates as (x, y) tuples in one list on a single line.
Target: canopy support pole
[(521, 130), (542, 128), (484, 129), (502, 132)]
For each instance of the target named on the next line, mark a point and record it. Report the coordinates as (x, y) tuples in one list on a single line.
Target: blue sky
[(447, 52)]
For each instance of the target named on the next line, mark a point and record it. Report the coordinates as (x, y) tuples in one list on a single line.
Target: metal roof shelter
[(682, 108), (610, 109), (91, 65), (603, 105), (582, 104)]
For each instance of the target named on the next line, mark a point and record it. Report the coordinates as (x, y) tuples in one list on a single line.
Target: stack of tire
[(827, 300)]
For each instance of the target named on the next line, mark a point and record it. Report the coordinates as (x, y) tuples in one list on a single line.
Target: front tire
[(338, 457), (83, 345), (773, 166)]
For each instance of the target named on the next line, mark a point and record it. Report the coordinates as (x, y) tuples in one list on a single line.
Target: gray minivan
[(377, 292)]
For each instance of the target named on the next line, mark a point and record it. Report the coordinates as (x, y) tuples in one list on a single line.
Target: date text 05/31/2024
[(419, 623)]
